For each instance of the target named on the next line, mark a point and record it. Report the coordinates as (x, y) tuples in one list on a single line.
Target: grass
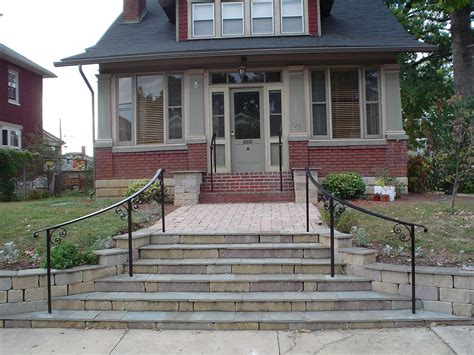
[(447, 235), (20, 219)]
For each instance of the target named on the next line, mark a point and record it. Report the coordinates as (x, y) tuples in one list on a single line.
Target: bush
[(420, 175), (345, 185), (152, 193), (67, 255), (37, 194), (344, 223), (10, 161)]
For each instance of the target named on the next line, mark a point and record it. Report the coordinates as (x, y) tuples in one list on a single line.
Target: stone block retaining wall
[(441, 289)]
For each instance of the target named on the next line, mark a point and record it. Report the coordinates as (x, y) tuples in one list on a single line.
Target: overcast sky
[(46, 31)]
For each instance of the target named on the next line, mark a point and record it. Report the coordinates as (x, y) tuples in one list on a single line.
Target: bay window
[(232, 18), (262, 16), (346, 103), (203, 19), (292, 16), (141, 111)]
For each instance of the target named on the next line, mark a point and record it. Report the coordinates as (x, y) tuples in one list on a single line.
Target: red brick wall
[(313, 17), (133, 9), (183, 20), (143, 165), (29, 113), (367, 160), (247, 182)]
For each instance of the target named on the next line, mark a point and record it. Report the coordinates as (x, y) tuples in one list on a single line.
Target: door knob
[(232, 133)]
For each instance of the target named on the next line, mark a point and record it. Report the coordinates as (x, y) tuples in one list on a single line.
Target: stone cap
[(435, 270), (358, 251), (113, 251), (189, 172)]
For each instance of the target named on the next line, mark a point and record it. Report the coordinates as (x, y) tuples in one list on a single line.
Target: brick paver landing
[(243, 217)]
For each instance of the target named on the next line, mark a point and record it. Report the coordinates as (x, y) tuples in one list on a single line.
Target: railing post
[(130, 241), (280, 159), (413, 262), (215, 156), (48, 266), (307, 201), (331, 227), (162, 198), (211, 157)]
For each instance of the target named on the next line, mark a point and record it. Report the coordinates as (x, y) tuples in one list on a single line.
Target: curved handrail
[(360, 209), (159, 172), (213, 158)]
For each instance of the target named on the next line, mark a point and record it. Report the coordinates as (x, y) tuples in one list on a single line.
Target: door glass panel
[(218, 126), (247, 115), (275, 113)]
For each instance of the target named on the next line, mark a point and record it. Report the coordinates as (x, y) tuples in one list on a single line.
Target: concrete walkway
[(242, 218), (437, 340)]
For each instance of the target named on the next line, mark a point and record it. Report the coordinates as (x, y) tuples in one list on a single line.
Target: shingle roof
[(354, 26), (16, 58)]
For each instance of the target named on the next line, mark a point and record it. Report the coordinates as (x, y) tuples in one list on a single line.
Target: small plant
[(387, 250), (67, 255), (9, 253), (360, 235), (344, 223), (36, 194), (461, 256), (104, 243), (400, 250), (152, 193), (419, 252), (345, 185), (384, 179)]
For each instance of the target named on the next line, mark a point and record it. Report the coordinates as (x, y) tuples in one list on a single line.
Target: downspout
[(93, 126)]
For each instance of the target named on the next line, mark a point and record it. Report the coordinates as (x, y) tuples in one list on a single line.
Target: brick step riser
[(205, 286), (232, 239), (276, 325), (234, 269), (234, 253), (247, 197), (231, 306)]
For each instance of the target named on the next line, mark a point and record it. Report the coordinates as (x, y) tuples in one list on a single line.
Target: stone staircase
[(240, 281), (247, 187)]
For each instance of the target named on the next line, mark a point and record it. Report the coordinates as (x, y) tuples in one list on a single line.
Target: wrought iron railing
[(213, 158), (336, 206), (123, 208), (280, 157)]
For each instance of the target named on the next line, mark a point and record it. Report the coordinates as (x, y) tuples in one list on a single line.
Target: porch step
[(235, 266), (246, 197), (236, 238), (230, 320), (247, 182), (231, 283), (233, 302), (239, 250)]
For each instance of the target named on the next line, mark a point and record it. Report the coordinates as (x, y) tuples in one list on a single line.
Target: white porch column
[(393, 103), (298, 130), (104, 119)]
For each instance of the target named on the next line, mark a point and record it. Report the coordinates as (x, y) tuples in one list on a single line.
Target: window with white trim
[(339, 109), (13, 87), (292, 16), (11, 137), (143, 114), (262, 16), (232, 18), (203, 20)]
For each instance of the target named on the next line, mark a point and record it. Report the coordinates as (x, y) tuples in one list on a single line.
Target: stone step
[(235, 266), (239, 250), (229, 320), (232, 301), (237, 238), (231, 283)]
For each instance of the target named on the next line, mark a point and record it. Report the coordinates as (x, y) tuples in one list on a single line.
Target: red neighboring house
[(176, 73), (21, 97)]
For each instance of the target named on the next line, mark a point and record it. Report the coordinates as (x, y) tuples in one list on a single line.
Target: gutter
[(224, 53)]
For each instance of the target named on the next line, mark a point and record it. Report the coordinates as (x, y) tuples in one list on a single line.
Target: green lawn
[(447, 235), (20, 219)]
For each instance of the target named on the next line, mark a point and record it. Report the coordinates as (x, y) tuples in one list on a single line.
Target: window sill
[(348, 142), (16, 103), (149, 148)]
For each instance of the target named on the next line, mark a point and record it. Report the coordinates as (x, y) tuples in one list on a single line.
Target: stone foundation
[(299, 182), (187, 187)]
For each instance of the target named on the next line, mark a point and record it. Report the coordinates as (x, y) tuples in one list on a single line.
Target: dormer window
[(292, 16), (262, 16), (203, 20), (232, 18)]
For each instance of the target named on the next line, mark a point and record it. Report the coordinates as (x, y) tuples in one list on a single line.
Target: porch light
[(242, 68)]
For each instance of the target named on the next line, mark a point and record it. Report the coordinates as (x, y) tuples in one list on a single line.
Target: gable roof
[(16, 58), (354, 26)]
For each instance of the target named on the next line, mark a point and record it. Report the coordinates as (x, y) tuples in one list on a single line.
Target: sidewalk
[(437, 340)]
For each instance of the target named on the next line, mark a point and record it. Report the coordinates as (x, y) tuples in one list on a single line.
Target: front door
[(247, 138)]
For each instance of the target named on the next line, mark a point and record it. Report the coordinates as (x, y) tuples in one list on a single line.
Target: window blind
[(150, 109)]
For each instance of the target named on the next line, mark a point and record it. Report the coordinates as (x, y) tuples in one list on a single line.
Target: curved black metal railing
[(213, 158), (336, 206), (123, 208), (280, 157)]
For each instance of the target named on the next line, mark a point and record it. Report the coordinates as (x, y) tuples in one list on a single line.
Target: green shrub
[(10, 161), (345, 185), (420, 175), (37, 194), (152, 193), (344, 223), (66, 255)]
